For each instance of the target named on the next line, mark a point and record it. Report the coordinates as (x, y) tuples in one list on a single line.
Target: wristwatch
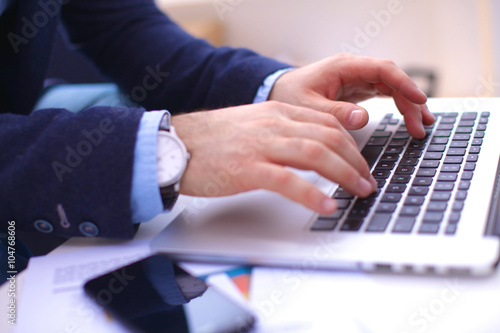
[(172, 162)]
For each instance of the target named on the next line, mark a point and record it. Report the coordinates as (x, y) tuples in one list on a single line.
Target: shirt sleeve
[(145, 198), (268, 84)]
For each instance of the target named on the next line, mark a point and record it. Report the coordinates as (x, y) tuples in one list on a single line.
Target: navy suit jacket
[(63, 173)]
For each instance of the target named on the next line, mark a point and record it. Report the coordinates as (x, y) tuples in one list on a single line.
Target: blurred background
[(452, 48)]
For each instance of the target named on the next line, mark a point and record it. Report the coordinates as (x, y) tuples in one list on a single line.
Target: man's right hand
[(248, 147)]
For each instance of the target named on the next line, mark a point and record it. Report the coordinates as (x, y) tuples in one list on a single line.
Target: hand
[(247, 147), (335, 84)]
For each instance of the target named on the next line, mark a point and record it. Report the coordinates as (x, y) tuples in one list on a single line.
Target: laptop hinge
[(493, 226)]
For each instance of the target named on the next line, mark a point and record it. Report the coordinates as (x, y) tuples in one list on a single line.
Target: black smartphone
[(156, 295)]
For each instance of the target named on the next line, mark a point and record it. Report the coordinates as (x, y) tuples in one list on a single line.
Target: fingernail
[(365, 186), (355, 118), (328, 205)]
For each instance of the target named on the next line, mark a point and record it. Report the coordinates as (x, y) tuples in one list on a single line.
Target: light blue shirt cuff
[(145, 198), (265, 89)]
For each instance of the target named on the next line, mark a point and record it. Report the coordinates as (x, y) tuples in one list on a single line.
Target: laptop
[(436, 211)]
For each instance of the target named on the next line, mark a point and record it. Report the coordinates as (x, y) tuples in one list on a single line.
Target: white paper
[(300, 301)]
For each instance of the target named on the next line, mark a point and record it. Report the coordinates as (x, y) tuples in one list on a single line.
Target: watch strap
[(168, 196)]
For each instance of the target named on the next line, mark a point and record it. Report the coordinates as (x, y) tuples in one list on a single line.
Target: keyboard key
[(395, 188), (400, 179), (429, 164), (437, 148), (352, 224), (458, 206), (391, 197), (470, 166), (454, 218), (386, 207), (433, 217), (464, 185), (379, 222), (404, 225), (433, 156), (414, 201), (439, 140), (467, 175), (448, 120), (475, 150), (336, 215), (451, 229), (426, 172), (477, 142), (389, 157), (453, 160), (404, 170), (384, 174), (416, 144), (418, 190), (397, 143), (409, 211), (422, 181), (459, 144), (440, 196), (412, 153), (469, 123), (371, 153), (485, 114), (396, 150), (343, 203), (324, 224), (481, 127), (374, 141), (447, 177), (461, 195), (381, 134), (439, 134), (461, 137), (455, 152), (385, 165), (479, 134), (401, 135), (445, 127), (469, 116), (429, 228), (444, 186), (472, 157), (464, 130), (437, 206), (483, 120), (381, 127), (340, 193), (450, 168)]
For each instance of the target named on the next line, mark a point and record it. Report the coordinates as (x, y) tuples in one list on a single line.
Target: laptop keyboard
[(422, 184)]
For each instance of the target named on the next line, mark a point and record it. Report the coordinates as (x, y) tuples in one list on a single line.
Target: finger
[(427, 117), (305, 116), (350, 115), (312, 155), (381, 70), (338, 141), (412, 115), (283, 181)]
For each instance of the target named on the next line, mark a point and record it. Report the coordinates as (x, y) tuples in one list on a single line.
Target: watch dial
[(172, 160)]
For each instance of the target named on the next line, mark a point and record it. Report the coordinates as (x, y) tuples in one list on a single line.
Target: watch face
[(171, 159)]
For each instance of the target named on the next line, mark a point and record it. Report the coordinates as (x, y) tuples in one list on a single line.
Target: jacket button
[(43, 226), (88, 229)]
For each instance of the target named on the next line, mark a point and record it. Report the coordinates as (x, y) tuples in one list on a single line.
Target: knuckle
[(335, 138), (313, 150)]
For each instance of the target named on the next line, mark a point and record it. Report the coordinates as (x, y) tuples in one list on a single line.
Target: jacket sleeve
[(156, 63), (69, 174)]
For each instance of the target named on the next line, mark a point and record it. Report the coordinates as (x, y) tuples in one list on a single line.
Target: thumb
[(350, 115)]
